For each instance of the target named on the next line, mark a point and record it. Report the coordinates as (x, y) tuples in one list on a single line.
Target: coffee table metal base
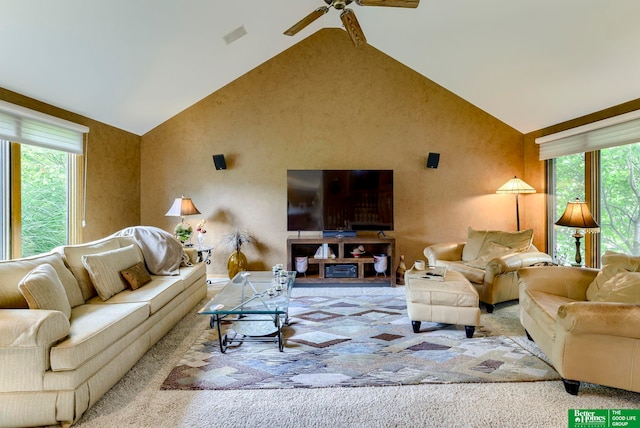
[(225, 340)]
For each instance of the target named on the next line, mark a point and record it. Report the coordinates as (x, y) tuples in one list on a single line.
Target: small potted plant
[(234, 241), (183, 232)]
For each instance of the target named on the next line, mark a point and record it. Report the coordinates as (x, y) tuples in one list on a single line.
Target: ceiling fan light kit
[(348, 16)]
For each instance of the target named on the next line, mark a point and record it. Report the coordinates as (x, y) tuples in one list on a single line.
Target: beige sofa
[(56, 363), (490, 260), (583, 322)]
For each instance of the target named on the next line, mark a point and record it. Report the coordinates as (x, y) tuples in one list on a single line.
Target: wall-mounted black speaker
[(219, 162), (432, 160)]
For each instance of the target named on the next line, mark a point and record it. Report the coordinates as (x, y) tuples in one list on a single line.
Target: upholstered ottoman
[(451, 301)]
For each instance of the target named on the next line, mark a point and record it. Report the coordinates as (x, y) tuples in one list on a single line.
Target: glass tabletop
[(252, 293)]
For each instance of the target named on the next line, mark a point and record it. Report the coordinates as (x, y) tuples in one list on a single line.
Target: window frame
[(12, 205)]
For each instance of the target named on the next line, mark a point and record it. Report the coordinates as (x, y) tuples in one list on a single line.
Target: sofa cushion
[(493, 250), (104, 269), (93, 329), (160, 291), (42, 289), (13, 271), (612, 264), (473, 274), (73, 256), (478, 242), (136, 276), (624, 287), (543, 307), (190, 274), (475, 239)]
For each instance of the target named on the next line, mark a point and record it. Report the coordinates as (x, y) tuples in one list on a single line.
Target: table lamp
[(182, 207), (578, 216), (516, 186)]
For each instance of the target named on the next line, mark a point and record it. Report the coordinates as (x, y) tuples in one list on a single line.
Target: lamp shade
[(577, 215), (515, 185), (182, 207)]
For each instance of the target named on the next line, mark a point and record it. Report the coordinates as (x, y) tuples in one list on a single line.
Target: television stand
[(346, 268)]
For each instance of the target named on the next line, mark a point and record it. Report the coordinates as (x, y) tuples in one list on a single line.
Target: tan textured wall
[(324, 104), (113, 179)]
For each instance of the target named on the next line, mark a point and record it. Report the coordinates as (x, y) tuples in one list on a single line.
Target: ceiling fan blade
[(307, 20), (389, 3), (353, 27)]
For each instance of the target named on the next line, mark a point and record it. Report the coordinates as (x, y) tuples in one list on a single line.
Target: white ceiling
[(135, 63)]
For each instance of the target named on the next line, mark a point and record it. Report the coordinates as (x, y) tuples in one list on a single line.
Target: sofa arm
[(446, 251), (603, 318), (562, 281), (22, 328), (26, 337), (513, 262)]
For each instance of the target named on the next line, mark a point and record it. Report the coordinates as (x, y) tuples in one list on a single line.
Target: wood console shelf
[(318, 270)]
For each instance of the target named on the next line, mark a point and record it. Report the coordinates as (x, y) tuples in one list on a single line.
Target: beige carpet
[(137, 400)]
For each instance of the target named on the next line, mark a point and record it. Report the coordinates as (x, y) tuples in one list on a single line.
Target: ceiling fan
[(348, 16)]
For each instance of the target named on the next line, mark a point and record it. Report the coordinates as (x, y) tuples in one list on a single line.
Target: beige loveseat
[(587, 322), (57, 362), (489, 259)]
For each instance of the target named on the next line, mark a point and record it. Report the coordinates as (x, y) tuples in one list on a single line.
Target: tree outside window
[(44, 203)]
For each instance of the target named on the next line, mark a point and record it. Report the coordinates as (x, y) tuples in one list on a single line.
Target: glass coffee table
[(258, 305)]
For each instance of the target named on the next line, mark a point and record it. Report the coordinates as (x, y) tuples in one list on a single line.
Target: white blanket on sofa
[(163, 254)]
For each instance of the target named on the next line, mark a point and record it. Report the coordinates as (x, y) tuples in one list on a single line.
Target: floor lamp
[(516, 186), (578, 217)]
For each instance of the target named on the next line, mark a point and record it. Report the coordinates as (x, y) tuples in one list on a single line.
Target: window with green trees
[(569, 185), (44, 210), (616, 184), (36, 196), (620, 199)]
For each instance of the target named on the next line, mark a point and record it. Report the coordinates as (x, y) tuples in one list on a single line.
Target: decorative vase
[(402, 268), (302, 263), (237, 262), (200, 239), (380, 264)]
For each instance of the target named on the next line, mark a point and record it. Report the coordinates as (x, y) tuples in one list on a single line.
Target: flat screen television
[(321, 200)]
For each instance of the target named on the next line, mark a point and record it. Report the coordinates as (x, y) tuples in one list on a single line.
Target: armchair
[(586, 338), (490, 261)]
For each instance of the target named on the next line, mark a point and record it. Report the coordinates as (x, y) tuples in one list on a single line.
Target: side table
[(204, 253)]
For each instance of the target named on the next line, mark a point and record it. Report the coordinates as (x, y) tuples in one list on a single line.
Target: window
[(37, 193), (620, 199), (40, 181), (568, 184), (600, 164)]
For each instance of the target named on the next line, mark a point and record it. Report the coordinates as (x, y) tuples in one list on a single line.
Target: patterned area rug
[(347, 341)]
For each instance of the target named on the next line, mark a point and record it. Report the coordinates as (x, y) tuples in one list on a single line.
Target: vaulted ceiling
[(135, 63)]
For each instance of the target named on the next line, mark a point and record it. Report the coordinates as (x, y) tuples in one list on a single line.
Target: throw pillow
[(73, 255), (104, 269), (612, 264), (136, 276), (624, 287), (42, 289), (475, 240), (12, 272), (493, 251), (518, 241), (479, 240)]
